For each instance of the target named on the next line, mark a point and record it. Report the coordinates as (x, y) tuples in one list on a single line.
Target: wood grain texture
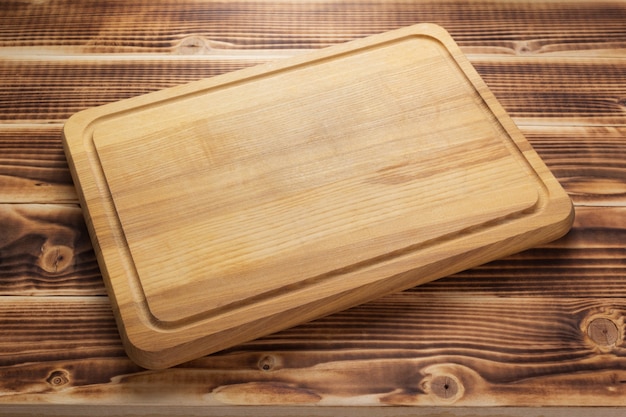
[(588, 160), (33, 167), (35, 327), (192, 27), (394, 351), (590, 259), (156, 410), (52, 90), (45, 250), (555, 88), (57, 58), (532, 90)]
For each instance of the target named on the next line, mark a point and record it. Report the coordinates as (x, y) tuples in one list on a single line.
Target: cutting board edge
[(141, 347)]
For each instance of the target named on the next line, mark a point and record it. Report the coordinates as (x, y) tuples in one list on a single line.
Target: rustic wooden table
[(544, 328)]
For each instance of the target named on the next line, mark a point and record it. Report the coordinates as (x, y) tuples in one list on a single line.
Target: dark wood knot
[(603, 332), (442, 385), (55, 259), (267, 363), (445, 387), (58, 378), (193, 45)]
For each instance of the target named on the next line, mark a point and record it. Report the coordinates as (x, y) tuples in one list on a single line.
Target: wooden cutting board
[(239, 205)]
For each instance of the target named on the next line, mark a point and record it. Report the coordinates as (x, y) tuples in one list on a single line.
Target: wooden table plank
[(155, 410), (46, 251), (590, 260), (33, 166), (589, 161), (575, 91), (516, 27), (533, 90), (395, 351), (44, 90)]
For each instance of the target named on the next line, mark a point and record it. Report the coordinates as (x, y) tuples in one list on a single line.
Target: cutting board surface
[(235, 206)]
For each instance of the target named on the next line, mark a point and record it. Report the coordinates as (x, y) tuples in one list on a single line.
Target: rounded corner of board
[(75, 126), (144, 349), (432, 29), (436, 32)]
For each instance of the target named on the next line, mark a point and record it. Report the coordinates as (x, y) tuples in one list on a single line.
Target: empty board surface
[(239, 205)]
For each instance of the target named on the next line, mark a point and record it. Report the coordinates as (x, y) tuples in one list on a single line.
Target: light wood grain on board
[(589, 161), (398, 350)]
